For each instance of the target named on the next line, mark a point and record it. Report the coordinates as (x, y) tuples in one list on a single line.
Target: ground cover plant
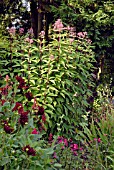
[(46, 120)]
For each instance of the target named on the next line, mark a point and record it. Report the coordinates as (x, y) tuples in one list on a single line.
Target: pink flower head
[(29, 40), (54, 155), (65, 142), (30, 31), (42, 34), (58, 25), (74, 147), (21, 30), (95, 139), (7, 78), (71, 40), (99, 140), (12, 31), (82, 34), (35, 131)]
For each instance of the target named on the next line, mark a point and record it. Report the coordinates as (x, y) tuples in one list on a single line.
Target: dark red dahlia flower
[(7, 128), (23, 118), (17, 106), (21, 82), (40, 110), (29, 150), (29, 96)]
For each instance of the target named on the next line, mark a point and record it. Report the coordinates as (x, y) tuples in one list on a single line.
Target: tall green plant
[(58, 75)]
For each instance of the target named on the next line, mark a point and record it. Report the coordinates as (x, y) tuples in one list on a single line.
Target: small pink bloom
[(31, 41), (54, 155), (62, 147), (71, 40), (81, 149), (35, 131), (99, 140), (12, 31), (95, 139), (65, 142)]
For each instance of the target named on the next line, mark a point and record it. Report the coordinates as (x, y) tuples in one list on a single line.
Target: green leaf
[(57, 165), (4, 161)]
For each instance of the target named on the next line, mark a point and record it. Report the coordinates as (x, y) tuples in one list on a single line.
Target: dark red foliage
[(29, 96), (29, 150), (23, 118)]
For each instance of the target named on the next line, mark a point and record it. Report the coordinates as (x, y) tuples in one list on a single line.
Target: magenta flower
[(35, 131), (74, 147), (65, 142), (99, 140)]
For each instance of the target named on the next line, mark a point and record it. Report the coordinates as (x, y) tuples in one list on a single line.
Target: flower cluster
[(29, 150), (58, 25), (29, 40), (23, 114)]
